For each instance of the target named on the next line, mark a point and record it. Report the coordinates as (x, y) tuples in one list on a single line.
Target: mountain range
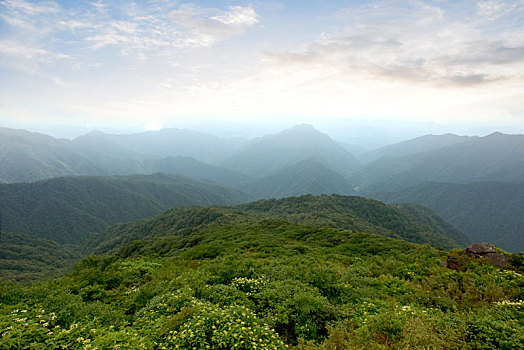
[(271, 153), (300, 160), (496, 157)]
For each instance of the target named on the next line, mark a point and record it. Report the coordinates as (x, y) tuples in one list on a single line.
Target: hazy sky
[(148, 64)]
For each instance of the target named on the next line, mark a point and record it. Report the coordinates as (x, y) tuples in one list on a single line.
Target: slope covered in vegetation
[(345, 212), (268, 284), (484, 211), (26, 258), (306, 177), (69, 209)]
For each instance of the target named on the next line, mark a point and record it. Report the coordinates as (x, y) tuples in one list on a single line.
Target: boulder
[(499, 260), (480, 250)]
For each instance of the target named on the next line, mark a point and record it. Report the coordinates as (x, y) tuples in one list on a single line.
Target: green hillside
[(354, 213), (269, 284), (412, 223), (69, 209), (306, 177), (484, 211), (26, 258)]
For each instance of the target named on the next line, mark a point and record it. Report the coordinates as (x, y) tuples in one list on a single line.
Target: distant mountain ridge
[(27, 156), (496, 157), (271, 153), (305, 177), (161, 144), (417, 145)]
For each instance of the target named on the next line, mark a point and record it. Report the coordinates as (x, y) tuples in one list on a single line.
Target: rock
[(499, 260), (452, 264), (480, 250)]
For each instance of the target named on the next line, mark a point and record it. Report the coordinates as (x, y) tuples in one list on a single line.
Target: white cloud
[(416, 43), (156, 28), (238, 16), (206, 26), (495, 9), (19, 51), (31, 8)]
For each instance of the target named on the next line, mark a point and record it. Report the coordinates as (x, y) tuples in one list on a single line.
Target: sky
[(402, 67)]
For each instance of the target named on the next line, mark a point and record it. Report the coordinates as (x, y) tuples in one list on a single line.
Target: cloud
[(151, 29), (238, 16), (31, 8), (419, 43), (11, 48), (495, 9), (206, 26)]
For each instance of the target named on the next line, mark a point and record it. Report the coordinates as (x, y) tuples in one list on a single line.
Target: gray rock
[(499, 260), (479, 250)]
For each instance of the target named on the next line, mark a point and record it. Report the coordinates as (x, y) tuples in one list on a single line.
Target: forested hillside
[(28, 259), (300, 160), (354, 213), (306, 177), (269, 284), (484, 211), (69, 209), (496, 157)]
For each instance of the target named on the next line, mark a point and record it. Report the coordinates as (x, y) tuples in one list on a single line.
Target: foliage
[(266, 284), (26, 259)]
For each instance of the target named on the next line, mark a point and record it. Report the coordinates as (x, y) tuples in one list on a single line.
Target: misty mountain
[(190, 167), (161, 144), (496, 157), (306, 177), (268, 154), (356, 150), (484, 211), (28, 156), (417, 145), (68, 209)]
